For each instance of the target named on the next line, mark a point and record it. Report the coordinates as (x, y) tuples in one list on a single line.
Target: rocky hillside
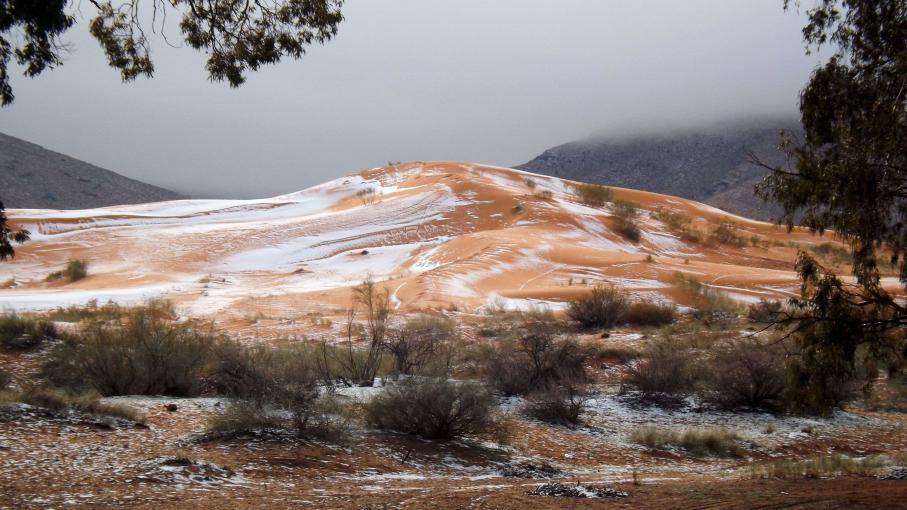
[(33, 177), (708, 165)]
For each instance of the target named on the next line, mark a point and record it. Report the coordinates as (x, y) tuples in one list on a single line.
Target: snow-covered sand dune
[(436, 234)]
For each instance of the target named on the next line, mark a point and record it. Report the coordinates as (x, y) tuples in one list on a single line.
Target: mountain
[(434, 234), (36, 178), (708, 165)]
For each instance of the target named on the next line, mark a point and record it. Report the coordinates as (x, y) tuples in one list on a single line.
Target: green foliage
[(7, 235), (593, 195), (848, 174), (432, 408), (236, 36), (834, 323)]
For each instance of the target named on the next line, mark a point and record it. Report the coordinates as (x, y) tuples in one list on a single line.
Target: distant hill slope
[(32, 177), (708, 165)]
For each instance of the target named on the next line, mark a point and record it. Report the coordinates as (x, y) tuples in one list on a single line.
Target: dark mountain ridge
[(32, 177), (710, 164)]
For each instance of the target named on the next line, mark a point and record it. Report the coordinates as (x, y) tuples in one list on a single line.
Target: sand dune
[(435, 233)]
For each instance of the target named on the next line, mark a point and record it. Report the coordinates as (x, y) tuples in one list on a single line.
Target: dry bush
[(593, 195), (648, 313), (746, 374), (423, 345), (143, 356), (432, 408), (18, 333), (5, 379), (603, 308), (244, 418), (74, 271), (709, 302), (725, 233), (562, 405), (111, 311), (545, 194), (537, 361), (274, 389), (663, 375), (625, 215), (717, 442), (88, 403), (765, 311), (358, 367)]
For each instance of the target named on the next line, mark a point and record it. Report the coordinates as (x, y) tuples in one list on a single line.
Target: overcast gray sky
[(493, 81)]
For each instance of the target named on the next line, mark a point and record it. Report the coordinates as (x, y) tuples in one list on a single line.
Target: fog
[(494, 82)]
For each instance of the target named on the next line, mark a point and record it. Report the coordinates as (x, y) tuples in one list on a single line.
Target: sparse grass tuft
[(717, 442), (89, 403)]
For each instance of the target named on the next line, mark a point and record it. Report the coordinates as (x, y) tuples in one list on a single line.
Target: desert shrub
[(366, 195), (88, 402), (244, 417), (663, 374), (746, 374), (517, 208), (699, 442), (726, 234), (531, 184), (709, 302), (648, 313), (75, 270), (603, 308), (355, 366), (832, 252), (765, 311), (274, 388), (5, 379), (537, 361), (625, 214), (323, 418), (561, 405), (143, 356), (422, 345), (432, 408), (593, 195), (18, 333), (545, 194)]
